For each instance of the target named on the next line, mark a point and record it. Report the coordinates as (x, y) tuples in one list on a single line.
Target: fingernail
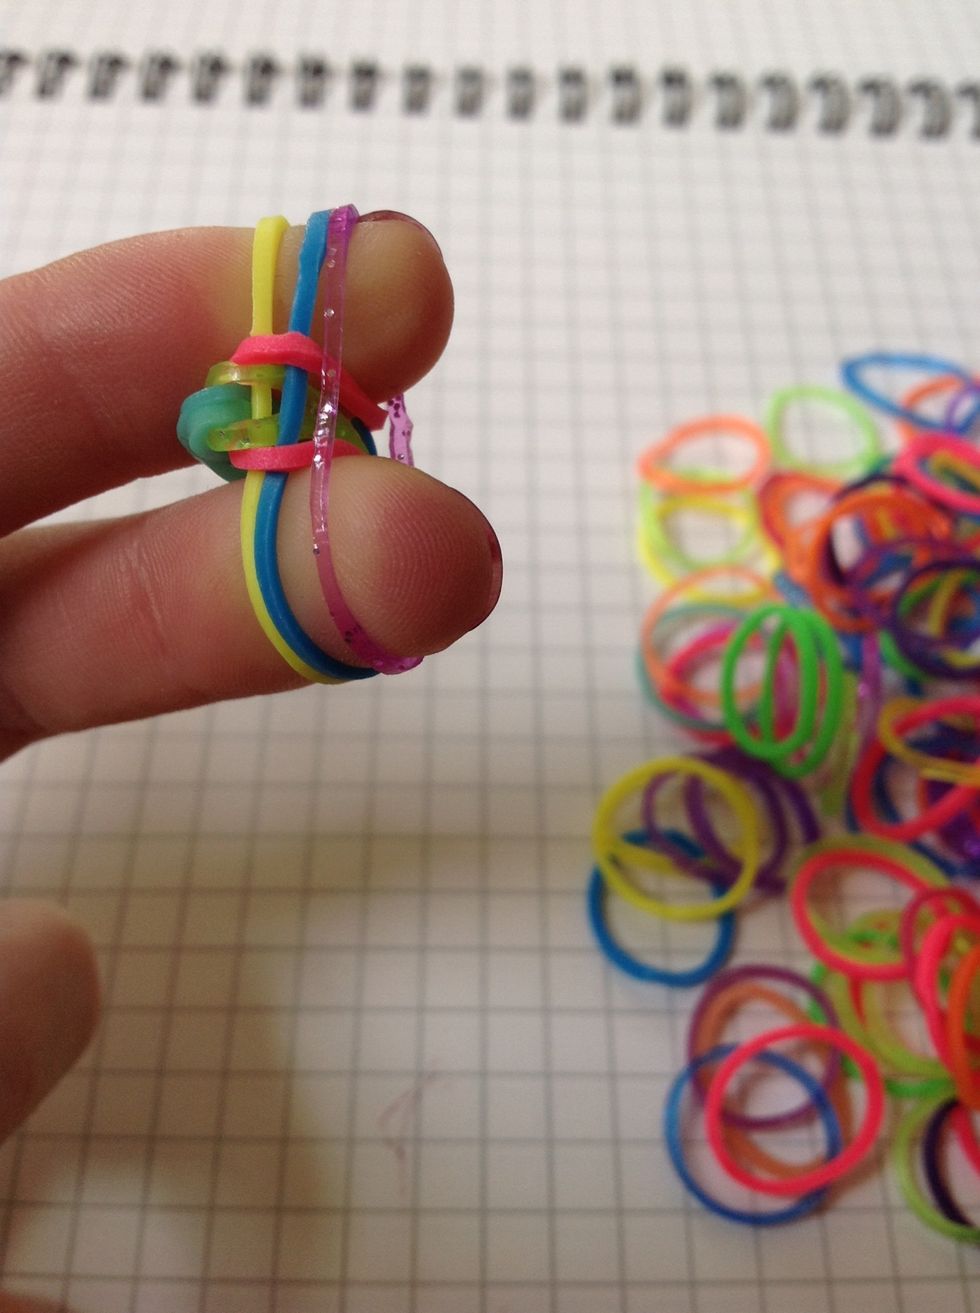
[(496, 568), (380, 216)]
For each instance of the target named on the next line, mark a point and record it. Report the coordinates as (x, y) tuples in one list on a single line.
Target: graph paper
[(359, 1054)]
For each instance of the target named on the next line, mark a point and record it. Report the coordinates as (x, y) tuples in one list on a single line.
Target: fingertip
[(419, 564), (50, 985)]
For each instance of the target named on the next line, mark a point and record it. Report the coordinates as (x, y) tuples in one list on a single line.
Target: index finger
[(99, 378)]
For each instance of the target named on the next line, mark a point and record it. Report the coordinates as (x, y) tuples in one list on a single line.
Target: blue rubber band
[(672, 1135), (852, 374), (291, 410), (634, 967)]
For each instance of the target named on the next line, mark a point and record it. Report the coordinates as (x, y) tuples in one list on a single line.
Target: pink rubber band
[(836, 1167), (934, 948), (297, 349), (324, 441), (285, 460)]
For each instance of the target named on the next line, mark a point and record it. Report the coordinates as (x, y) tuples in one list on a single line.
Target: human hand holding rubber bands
[(113, 620)]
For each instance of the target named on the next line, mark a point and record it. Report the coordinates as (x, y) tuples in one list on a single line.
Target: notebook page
[(359, 1052)]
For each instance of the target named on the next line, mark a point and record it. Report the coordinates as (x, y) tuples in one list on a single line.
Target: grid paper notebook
[(358, 1051)]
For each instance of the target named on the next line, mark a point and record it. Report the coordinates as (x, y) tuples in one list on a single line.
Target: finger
[(50, 991), (101, 348), (110, 621)]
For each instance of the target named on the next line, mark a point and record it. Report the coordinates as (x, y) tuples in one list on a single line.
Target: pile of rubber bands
[(826, 668)]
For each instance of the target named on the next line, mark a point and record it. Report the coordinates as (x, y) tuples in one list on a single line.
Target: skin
[(114, 620)]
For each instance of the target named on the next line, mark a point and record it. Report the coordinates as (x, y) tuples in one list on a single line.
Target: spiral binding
[(780, 102)]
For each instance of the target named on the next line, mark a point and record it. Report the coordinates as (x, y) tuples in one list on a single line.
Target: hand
[(109, 621)]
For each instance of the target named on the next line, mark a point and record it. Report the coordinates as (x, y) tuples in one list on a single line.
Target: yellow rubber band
[(265, 257), (612, 852)]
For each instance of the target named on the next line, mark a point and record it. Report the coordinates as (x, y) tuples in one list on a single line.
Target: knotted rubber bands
[(233, 427)]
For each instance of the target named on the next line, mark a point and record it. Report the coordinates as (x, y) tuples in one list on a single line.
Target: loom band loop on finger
[(716, 863), (286, 460), (934, 367), (967, 1135), (653, 469), (807, 1203), (933, 387), (262, 498), (774, 499), (301, 352), (780, 796), (898, 863), (909, 1130), (958, 799), (714, 1009), (870, 449), (911, 714), (612, 853), (596, 900), (839, 1164)]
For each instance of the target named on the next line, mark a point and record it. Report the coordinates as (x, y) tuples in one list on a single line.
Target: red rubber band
[(836, 1167), (301, 351), (284, 460), (815, 865)]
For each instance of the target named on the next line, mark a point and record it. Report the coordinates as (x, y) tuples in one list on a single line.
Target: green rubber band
[(909, 1130), (796, 622), (869, 452), (830, 716)]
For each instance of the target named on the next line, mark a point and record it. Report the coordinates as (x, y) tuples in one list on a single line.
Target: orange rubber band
[(965, 1074), (652, 466)]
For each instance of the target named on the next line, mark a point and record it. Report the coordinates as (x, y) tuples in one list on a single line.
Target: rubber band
[(957, 1012), (932, 1150), (262, 497), (672, 1137), (362, 644), (864, 426), (899, 864), (775, 498), (730, 988), (635, 967), (853, 370), (299, 350), (840, 1164), (911, 714), (663, 556), (612, 852), (652, 466), (909, 1130)]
